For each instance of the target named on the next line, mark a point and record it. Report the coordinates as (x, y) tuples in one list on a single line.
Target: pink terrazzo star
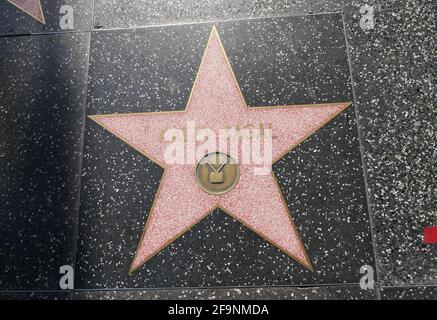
[(31, 7), (256, 201)]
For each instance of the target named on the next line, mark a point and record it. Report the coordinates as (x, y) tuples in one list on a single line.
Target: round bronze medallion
[(217, 173)]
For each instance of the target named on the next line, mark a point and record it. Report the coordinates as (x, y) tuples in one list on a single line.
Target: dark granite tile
[(409, 293), (124, 14), (383, 5), (152, 70), (36, 295), (42, 105), (323, 184), (143, 70), (261, 293), (311, 49), (394, 69), (16, 21), (135, 13)]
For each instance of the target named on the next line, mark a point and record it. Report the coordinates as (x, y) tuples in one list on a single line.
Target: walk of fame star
[(31, 7), (256, 201)]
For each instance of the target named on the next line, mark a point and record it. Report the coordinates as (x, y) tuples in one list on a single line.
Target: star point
[(32, 7)]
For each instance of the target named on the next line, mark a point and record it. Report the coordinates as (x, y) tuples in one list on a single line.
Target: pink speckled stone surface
[(32, 7), (256, 201)]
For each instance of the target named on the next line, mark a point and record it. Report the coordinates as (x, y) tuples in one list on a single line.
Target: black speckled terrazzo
[(53, 212), (125, 66), (409, 293), (135, 13), (35, 295), (260, 293), (42, 105), (147, 69), (394, 69), (15, 21)]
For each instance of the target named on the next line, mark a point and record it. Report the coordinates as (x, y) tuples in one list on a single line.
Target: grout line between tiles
[(78, 205), (364, 167), (179, 23), (336, 285)]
